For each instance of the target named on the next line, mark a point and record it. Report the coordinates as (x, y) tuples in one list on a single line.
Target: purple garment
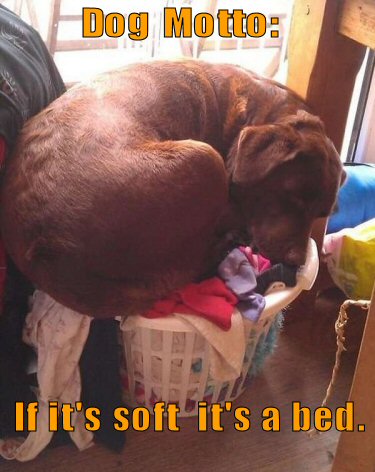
[(239, 276), (252, 307)]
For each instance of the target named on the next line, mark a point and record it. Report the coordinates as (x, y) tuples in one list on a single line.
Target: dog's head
[(283, 177)]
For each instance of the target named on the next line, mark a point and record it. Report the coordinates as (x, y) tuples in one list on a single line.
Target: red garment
[(259, 262), (2, 251), (210, 299)]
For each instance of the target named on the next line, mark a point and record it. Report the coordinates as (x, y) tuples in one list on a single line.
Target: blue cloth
[(266, 346), (356, 199), (239, 276)]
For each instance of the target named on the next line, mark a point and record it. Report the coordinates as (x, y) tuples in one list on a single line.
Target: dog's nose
[(295, 256)]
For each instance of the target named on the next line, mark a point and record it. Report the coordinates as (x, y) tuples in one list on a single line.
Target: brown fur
[(124, 188)]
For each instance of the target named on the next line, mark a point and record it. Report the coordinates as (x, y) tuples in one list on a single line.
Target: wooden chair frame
[(327, 45)]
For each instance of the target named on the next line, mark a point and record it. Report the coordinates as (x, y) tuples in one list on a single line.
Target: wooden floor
[(299, 371)]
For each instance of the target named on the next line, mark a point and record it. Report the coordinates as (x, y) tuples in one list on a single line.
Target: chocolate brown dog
[(124, 188)]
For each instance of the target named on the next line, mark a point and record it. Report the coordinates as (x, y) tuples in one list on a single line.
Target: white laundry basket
[(167, 360)]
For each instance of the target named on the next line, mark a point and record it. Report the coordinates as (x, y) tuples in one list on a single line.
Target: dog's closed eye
[(327, 213), (323, 214)]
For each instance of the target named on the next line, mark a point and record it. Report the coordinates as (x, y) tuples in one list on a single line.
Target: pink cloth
[(210, 299), (259, 262)]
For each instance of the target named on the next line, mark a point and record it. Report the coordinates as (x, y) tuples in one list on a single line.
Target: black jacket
[(29, 79)]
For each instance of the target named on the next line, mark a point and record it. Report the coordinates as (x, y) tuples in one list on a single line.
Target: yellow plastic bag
[(350, 256)]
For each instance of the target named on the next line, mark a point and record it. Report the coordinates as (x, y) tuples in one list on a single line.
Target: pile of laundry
[(243, 279), (78, 357)]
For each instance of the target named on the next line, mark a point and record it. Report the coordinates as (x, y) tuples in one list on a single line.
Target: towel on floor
[(58, 334)]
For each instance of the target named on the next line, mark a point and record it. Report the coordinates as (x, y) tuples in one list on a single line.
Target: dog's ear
[(261, 149)]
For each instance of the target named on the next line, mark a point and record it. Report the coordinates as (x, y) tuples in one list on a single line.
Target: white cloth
[(58, 335), (226, 348)]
